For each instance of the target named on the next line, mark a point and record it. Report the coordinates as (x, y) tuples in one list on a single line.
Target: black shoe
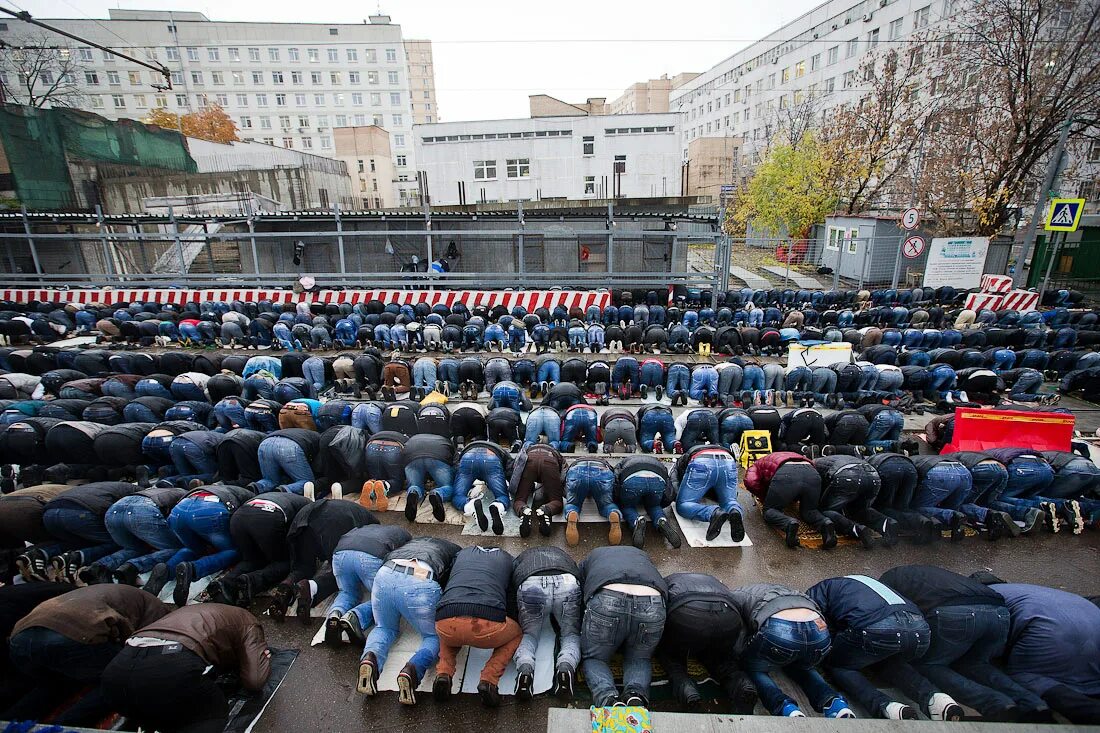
[(407, 682), (441, 689), (334, 634), (350, 624), (659, 391), (368, 675), (737, 526), (496, 512), (563, 682), (687, 693), (185, 573), (545, 522), (889, 532), (305, 601), (634, 700), (669, 532), (644, 390), (714, 527), (525, 522), (141, 476), (863, 534), (828, 535), (958, 526), (637, 534), (479, 515), (438, 510), (127, 574), (490, 695), (280, 601), (158, 578), (412, 504), (791, 535), (525, 686)]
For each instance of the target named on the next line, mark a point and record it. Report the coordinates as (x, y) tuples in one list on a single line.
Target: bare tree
[(795, 116), (39, 73)]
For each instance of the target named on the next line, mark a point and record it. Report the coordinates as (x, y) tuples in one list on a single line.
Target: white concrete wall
[(554, 147)]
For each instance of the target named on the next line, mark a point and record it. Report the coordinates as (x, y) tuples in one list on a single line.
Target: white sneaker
[(899, 711), (964, 396), (308, 490), (336, 491), (943, 707)]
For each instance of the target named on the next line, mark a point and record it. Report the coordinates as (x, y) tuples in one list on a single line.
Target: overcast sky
[(491, 54)]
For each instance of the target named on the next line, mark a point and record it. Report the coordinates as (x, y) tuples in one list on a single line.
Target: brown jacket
[(96, 614), (225, 636), (296, 415), (42, 493)]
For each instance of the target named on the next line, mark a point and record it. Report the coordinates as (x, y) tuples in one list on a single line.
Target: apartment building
[(366, 152), (578, 157), (649, 96), (286, 84)]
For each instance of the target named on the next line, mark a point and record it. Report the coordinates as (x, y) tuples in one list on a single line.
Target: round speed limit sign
[(913, 247), (910, 219)]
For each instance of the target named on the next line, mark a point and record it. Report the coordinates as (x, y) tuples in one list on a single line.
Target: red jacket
[(760, 473)]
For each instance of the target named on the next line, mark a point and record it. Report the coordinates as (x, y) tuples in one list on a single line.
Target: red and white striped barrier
[(996, 283), (529, 299), (978, 301), (1021, 300)]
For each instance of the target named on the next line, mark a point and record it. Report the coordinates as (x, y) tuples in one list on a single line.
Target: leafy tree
[(211, 123)]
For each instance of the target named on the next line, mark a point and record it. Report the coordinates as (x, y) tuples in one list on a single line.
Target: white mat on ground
[(695, 533), (469, 664), (589, 513), (424, 511)]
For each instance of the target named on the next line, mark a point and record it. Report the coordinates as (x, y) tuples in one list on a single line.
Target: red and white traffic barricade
[(978, 301), (528, 299), (996, 283), (1021, 300)]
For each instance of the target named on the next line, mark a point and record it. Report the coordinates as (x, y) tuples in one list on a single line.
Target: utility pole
[(912, 204), (1044, 195)]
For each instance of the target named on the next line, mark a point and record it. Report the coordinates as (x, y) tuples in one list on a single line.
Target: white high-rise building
[(287, 84), (815, 56)]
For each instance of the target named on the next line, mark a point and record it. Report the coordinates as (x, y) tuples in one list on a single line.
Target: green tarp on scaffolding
[(39, 142)]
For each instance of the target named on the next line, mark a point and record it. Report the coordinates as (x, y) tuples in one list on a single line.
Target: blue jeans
[(959, 661), (418, 470), (230, 414), (704, 381), (424, 373), (354, 573), (625, 371), (645, 491), (822, 382), (191, 462), (1026, 387), (796, 647), (543, 421), (506, 396), (283, 463), (578, 425), (395, 596), (943, 490), (941, 380), (651, 374), (679, 379), (703, 474), (753, 379), (902, 637), (200, 525), (612, 621), (732, 427), (76, 528), (798, 379), (448, 372), (701, 426), (152, 388), (136, 525), (885, 429), (483, 464), (257, 386), (549, 371), (556, 596), (584, 479), (313, 369), (654, 423)]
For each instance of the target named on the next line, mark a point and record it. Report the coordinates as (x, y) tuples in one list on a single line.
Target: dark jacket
[(328, 520), (759, 476), (542, 560), (930, 587), (757, 603), (504, 456), (687, 587), (287, 502), (426, 445), (631, 465), (96, 614), (378, 540), (856, 602), (96, 497), (164, 497), (230, 495), (619, 564), (480, 586), (439, 554)]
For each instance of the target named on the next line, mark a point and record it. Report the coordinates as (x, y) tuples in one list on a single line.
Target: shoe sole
[(615, 532), (367, 685), (479, 515), (406, 692), (497, 520), (572, 531), (334, 632), (412, 506), (439, 512)]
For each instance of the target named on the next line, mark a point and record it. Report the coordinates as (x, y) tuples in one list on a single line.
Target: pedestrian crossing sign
[(1064, 215)]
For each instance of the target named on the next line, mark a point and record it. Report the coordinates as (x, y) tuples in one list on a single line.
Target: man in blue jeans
[(428, 456), (543, 421), (624, 609), (942, 488), (139, 525), (643, 481), (704, 384), (695, 427), (654, 421), (579, 423), (702, 470), (1029, 478), (784, 630), (591, 477), (355, 563), (970, 626), (286, 459), (870, 623), (194, 457), (485, 461), (547, 585), (678, 380), (76, 520), (408, 586)]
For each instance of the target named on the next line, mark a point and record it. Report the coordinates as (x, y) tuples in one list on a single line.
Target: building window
[(86, 55), (334, 78), (485, 170), (799, 69), (91, 78), (253, 54), (372, 77), (300, 100), (831, 55), (280, 100), (261, 100), (303, 120), (872, 38), (258, 78), (391, 55), (314, 55), (97, 102), (277, 77), (395, 99), (217, 77), (181, 100), (376, 120), (292, 55), (319, 100), (119, 101), (246, 123), (222, 100), (353, 77), (783, 79), (895, 28), (402, 161), (333, 55), (139, 101), (852, 48), (315, 77), (238, 77), (213, 54), (399, 141), (288, 142), (113, 79), (1094, 151), (589, 185), (341, 120), (265, 123), (353, 54), (272, 54), (196, 77), (326, 142), (357, 99), (849, 79), (359, 120), (242, 100), (836, 234), (588, 145), (307, 143), (295, 77), (234, 54), (284, 122), (371, 55), (160, 101), (920, 18), (519, 168), (620, 164), (192, 54)]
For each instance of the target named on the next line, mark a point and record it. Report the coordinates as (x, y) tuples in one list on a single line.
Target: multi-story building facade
[(425, 106), (579, 157), (287, 84), (814, 56), (649, 96), (366, 152)]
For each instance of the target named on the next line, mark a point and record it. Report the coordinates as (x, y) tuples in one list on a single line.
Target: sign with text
[(956, 261)]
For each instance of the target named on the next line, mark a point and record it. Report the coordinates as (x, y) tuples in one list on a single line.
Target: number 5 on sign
[(910, 219)]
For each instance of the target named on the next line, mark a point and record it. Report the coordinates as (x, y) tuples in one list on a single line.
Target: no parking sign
[(913, 247)]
